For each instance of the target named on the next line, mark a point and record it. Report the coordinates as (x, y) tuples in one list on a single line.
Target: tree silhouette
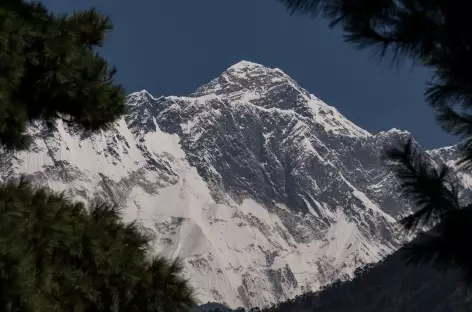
[(433, 34), (57, 254), (50, 70)]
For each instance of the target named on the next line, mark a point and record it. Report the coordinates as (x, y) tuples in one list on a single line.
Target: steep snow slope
[(265, 191)]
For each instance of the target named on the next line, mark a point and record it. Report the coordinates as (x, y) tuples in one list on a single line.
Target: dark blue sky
[(170, 47)]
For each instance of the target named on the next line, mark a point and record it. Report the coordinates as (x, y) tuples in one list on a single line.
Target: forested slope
[(390, 286)]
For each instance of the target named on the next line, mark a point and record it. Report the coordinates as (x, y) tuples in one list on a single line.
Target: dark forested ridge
[(389, 286)]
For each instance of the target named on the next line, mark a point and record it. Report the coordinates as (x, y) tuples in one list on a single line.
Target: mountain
[(265, 191)]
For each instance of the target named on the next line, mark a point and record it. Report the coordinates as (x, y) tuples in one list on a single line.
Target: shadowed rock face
[(265, 190)]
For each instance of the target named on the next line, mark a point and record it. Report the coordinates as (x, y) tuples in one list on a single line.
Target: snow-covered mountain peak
[(267, 191), (250, 71), (394, 131), (248, 87), (245, 66), (136, 98), (253, 86), (246, 69), (246, 76)]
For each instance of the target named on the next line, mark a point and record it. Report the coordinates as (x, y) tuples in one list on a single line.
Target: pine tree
[(50, 69), (435, 34), (57, 254), (162, 288)]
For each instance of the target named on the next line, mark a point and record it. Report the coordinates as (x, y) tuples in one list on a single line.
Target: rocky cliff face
[(265, 191)]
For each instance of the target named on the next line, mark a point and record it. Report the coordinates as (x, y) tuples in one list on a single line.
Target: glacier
[(264, 190)]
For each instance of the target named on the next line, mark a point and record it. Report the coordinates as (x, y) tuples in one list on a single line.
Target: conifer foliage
[(435, 34), (57, 254), (49, 69)]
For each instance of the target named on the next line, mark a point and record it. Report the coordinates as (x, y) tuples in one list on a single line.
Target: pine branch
[(92, 27), (309, 7), (431, 189), (465, 161), (426, 248), (431, 33), (446, 245), (49, 68), (454, 122), (458, 124), (385, 25)]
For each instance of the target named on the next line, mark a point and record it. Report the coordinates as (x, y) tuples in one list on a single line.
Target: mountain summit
[(264, 190)]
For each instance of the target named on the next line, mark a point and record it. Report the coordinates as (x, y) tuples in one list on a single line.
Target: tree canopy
[(434, 34), (57, 254), (50, 69)]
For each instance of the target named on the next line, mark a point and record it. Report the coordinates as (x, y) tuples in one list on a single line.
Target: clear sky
[(170, 47)]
